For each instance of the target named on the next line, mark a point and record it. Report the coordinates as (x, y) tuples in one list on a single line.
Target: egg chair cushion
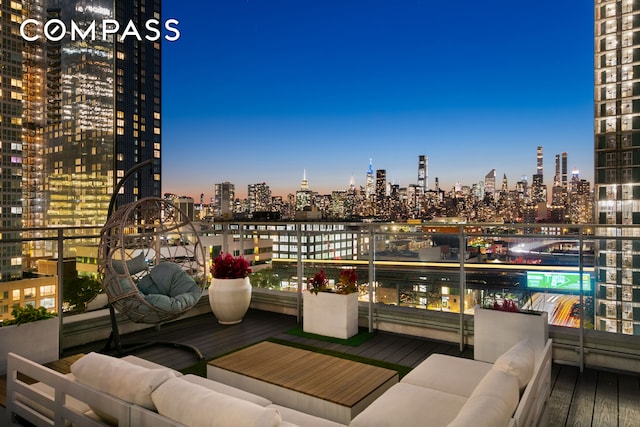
[(134, 265), (169, 288)]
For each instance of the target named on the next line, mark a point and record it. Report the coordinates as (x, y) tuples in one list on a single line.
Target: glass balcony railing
[(586, 277), (434, 267)]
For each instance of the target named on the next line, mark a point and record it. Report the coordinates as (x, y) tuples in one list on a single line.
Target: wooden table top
[(334, 379)]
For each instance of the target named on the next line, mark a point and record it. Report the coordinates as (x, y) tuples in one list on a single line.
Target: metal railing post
[(60, 289), (580, 273), (372, 272), (461, 252), (300, 269), (225, 237)]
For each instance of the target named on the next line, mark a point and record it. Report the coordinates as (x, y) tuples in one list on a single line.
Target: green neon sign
[(558, 281)]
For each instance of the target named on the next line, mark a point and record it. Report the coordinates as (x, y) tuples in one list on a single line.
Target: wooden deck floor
[(593, 398)]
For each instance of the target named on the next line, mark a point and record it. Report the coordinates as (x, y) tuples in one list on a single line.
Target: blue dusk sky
[(262, 90)]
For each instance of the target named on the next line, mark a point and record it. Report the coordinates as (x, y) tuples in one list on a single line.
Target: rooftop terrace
[(593, 397)]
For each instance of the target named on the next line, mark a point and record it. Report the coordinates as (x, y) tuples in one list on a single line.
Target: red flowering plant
[(507, 305), (226, 266), (347, 282), (318, 283)]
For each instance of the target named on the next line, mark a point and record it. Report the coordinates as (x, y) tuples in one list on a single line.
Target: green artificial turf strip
[(354, 341), (401, 369)]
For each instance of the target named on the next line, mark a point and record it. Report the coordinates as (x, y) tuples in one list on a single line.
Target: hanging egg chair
[(151, 261)]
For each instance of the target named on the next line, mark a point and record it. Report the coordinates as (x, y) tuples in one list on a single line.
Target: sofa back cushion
[(197, 406), (126, 381), (518, 361), (491, 404)]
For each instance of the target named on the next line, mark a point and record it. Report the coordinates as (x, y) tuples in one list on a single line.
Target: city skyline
[(325, 86)]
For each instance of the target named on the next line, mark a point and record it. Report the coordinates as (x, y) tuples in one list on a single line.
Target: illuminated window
[(30, 293), (120, 55), (47, 290), (48, 303), (15, 294)]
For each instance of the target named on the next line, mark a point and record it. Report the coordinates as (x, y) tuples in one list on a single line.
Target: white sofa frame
[(127, 414)]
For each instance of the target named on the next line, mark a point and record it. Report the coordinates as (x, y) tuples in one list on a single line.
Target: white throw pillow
[(197, 406), (518, 361), (119, 378)]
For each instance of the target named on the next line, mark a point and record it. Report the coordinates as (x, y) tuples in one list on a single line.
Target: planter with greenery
[(33, 333), (331, 312), (230, 289)]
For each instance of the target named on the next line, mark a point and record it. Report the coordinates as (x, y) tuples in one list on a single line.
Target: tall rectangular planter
[(38, 341), (495, 331), (329, 314)]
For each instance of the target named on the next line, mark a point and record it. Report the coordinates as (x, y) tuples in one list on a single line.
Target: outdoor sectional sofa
[(132, 392), (507, 384)]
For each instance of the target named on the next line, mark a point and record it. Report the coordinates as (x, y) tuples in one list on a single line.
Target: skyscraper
[(423, 173), (617, 164), (490, 182), (11, 149), (258, 198), (381, 192), (370, 185), (224, 195), (104, 112)]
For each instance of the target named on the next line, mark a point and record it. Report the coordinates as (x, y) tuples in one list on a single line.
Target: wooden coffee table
[(329, 387)]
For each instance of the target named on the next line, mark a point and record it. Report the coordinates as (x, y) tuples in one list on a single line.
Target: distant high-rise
[(617, 164), (258, 198), (538, 188), (490, 182), (423, 173), (564, 172), (304, 196), (539, 169), (381, 192), (370, 184), (224, 196)]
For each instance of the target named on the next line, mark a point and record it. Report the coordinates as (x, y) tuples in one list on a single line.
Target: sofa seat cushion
[(482, 411), (120, 378), (410, 405), (293, 417), (227, 389), (448, 374), (197, 406)]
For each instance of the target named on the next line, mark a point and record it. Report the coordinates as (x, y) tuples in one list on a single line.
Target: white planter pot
[(329, 314), (37, 341), (230, 299), (496, 331)]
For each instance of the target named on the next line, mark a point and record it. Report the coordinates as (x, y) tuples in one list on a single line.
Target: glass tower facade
[(11, 94), (103, 112), (617, 164)]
